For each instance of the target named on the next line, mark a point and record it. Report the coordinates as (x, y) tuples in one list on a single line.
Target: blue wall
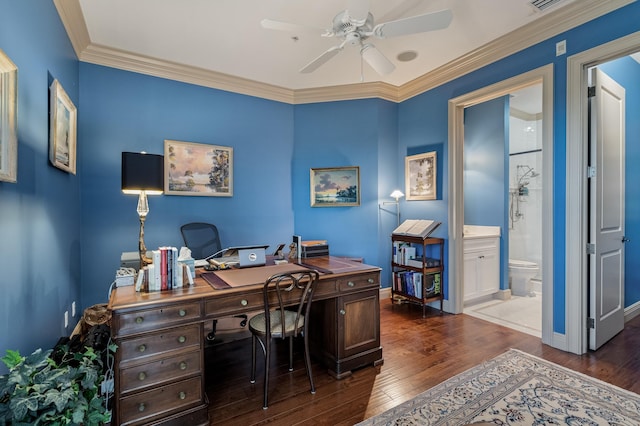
[(124, 111), (626, 72), (53, 222), (486, 171), (40, 226)]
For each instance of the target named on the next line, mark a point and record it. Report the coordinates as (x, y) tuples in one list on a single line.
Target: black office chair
[(281, 322), (203, 240)]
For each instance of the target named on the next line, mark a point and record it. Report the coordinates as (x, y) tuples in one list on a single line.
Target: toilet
[(520, 274)]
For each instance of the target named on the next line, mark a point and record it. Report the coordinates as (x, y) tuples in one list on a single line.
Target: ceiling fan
[(355, 25)]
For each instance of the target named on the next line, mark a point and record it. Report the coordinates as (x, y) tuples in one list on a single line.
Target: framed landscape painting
[(420, 176), (62, 129), (198, 169), (335, 187), (8, 119)]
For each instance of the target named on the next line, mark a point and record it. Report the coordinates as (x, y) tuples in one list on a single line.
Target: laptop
[(252, 256), (242, 256)]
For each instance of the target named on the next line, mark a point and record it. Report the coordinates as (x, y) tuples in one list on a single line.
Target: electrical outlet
[(73, 309), (66, 319), (561, 48)]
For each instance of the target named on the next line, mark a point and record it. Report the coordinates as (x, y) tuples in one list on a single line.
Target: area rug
[(516, 388)]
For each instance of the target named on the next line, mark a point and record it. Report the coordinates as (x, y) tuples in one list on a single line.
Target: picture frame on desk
[(420, 176), (198, 169), (8, 119), (335, 187), (62, 129)]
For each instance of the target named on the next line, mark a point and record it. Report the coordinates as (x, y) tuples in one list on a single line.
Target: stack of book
[(413, 283), (314, 248), (165, 273)]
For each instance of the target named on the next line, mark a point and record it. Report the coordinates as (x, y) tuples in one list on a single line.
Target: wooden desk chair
[(283, 288)]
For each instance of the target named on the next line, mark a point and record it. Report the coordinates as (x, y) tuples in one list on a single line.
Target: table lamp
[(142, 174)]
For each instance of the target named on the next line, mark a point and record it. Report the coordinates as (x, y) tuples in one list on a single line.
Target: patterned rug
[(516, 388)]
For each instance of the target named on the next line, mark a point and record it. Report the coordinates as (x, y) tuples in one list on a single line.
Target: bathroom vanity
[(481, 261)]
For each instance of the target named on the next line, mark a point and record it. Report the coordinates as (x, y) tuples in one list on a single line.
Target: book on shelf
[(416, 228)]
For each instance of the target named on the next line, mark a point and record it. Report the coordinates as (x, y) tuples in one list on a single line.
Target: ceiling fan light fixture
[(407, 56)]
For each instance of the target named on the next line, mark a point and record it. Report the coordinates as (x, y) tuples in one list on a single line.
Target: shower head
[(534, 174)]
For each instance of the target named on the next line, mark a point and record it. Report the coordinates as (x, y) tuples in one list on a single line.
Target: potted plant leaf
[(54, 387)]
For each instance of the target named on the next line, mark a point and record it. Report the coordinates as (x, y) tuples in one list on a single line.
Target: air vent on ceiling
[(542, 5)]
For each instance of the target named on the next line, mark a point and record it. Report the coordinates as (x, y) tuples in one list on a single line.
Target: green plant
[(53, 387)]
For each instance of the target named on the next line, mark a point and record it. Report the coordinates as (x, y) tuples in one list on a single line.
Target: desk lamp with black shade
[(142, 174)]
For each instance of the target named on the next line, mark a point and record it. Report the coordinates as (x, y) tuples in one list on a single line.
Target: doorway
[(577, 289), (514, 298), (544, 77)]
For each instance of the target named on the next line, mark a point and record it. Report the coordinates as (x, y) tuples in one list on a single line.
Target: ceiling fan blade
[(358, 10), (399, 11), (270, 24), (415, 24), (376, 59), (320, 60)]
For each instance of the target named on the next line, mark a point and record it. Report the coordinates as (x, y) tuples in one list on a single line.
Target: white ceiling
[(226, 36), (221, 43)]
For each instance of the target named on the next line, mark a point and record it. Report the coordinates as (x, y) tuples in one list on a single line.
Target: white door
[(606, 199)]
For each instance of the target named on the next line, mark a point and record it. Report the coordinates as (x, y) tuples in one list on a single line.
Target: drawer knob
[(182, 339), (343, 312), (351, 284), (183, 365), (182, 312), (142, 376), (370, 281), (182, 395), (244, 302), (142, 348), (141, 407), (139, 320)]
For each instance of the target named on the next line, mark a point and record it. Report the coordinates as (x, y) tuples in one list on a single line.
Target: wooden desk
[(159, 370)]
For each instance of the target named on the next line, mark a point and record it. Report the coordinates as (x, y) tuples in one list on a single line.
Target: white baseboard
[(631, 312)]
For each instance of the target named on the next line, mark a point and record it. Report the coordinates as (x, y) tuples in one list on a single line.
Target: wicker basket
[(95, 315)]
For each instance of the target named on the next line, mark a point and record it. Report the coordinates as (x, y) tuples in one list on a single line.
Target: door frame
[(576, 223), (544, 75)]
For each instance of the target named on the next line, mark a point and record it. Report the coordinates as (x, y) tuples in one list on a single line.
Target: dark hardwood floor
[(418, 354)]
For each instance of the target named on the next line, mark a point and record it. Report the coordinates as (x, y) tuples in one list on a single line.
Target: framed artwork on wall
[(198, 169), (335, 187), (420, 176), (62, 129), (8, 119)]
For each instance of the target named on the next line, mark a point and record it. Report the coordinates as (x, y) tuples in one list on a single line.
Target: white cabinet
[(481, 266)]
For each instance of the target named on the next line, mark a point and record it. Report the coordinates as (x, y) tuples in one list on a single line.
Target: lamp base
[(142, 249)]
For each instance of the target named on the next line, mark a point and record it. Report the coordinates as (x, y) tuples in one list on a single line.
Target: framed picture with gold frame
[(198, 169), (335, 187), (420, 176), (8, 119), (62, 129)]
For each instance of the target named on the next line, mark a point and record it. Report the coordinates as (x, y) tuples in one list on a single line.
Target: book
[(416, 227)]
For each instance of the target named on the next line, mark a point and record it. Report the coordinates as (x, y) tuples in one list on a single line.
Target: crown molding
[(120, 59), (566, 18)]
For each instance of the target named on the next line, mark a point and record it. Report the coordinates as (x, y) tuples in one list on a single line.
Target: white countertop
[(478, 231)]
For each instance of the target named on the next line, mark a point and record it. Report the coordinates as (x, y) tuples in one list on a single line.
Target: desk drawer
[(152, 319), (152, 344), (359, 282), (161, 371), (227, 305), (143, 407)]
